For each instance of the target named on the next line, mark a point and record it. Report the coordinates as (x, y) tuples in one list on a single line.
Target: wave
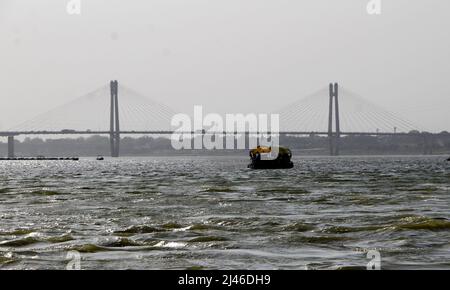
[(206, 239), (139, 229), (164, 244), (33, 238), (6, 260), (202, 227), (400, 224), (422, 223), (217, 189), (287, 190), (20, 242), (60, 239), (46, 192), (89, 248), (144, 229), (318, 239), (298, 227), (17, 232), (122, 242), (344, 229)]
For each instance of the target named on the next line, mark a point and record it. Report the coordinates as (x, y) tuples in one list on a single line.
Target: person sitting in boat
[(255, 155), (283, 159)]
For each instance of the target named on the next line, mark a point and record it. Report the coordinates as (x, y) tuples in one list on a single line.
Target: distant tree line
[(414, 143)]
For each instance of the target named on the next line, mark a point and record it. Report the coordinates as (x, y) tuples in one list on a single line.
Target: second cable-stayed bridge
[(332, 111)]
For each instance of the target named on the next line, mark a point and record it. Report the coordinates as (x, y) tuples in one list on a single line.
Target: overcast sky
[(227, 54)]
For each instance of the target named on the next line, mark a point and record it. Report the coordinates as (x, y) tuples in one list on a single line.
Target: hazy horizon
[(230, 56)]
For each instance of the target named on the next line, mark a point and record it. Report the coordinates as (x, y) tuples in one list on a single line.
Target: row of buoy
[(39, 158), (99, 158)]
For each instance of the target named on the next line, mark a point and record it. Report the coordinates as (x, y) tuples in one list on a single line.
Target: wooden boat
[(259, 158)]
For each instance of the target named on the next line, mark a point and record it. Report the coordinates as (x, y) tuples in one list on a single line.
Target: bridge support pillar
[(427, 145), (334, 136), (330, 121), (10, 146), (114, 135)]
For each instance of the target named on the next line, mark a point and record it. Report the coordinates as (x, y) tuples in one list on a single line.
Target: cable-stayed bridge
[(332, 111)]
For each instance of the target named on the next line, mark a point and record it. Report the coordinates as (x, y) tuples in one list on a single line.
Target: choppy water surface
[(213, 213)]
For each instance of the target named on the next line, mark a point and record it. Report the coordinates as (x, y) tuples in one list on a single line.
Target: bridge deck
[(17, 133)]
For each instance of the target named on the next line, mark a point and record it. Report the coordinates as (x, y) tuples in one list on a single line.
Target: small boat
[(100, 158), (448, 159), (259, 158)]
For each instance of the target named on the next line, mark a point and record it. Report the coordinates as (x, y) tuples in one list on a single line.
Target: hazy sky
[(227, 54)]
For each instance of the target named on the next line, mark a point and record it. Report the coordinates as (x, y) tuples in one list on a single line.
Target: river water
[(214, 213)]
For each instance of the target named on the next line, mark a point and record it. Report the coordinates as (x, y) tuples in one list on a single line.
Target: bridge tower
[(427, 144), (10, 146), (334, 136), (114, 131)]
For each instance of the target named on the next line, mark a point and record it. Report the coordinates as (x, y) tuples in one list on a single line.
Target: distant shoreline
[(300, 146), (244, 157)]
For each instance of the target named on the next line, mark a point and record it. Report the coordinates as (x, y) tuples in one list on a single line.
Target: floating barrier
[(39, 158)]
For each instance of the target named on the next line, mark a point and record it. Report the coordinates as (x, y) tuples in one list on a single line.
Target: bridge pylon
[(334, 136), (114, 131), (11, 147)]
